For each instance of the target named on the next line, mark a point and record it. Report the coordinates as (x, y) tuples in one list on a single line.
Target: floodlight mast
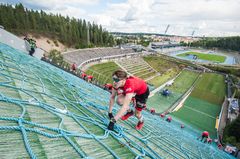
[(88, 35), (166, 29), (165, 34), (193, 32)]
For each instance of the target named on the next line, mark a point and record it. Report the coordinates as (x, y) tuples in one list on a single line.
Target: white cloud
[(72, 8), (52, 4), (207, 17)]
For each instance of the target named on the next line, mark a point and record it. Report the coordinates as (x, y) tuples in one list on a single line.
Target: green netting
[(48, 113)]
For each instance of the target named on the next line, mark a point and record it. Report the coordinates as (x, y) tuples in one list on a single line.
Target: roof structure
[(48, 113)]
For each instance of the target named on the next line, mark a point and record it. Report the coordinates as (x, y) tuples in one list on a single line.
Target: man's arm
[(112, 100), (125, 106)]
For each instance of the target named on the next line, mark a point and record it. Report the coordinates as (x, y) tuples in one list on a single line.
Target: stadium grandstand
[(137, 67), (162, 45), (82, 55)]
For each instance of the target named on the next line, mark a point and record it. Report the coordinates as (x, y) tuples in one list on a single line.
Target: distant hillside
[(70, 31)]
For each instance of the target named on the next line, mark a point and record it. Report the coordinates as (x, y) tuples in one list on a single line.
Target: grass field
[(167, 69), (161, 79), (103, 72), (160, 64), (200, 114), (211, 87), (161, 103), (204, 103), (183, 82), (204, 56)]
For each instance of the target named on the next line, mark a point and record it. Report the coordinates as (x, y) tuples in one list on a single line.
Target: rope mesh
[(48, 113)]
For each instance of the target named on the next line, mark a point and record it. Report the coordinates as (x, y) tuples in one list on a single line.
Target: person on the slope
[(74, 67), (131, 86), (89, 78), (182, 126), (205, 135), (169, 119), (84, 75)]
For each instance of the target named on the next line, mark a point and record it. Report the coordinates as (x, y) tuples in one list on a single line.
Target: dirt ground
[(48, 44)]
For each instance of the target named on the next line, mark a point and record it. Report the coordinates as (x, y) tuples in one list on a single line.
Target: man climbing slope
[(131, 86)]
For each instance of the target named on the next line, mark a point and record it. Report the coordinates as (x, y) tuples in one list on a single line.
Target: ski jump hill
[(48, 113)]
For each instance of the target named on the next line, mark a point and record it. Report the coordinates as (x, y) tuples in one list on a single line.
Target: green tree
[(70, 31)]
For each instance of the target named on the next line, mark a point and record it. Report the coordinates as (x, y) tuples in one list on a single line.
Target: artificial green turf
[(159, 80), (200, 114), (211, 87), (184, 81), (204, 103), (204, 56), (181, 84), (162, 103)]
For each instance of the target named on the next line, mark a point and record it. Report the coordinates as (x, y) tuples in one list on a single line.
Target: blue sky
[(206, 17)]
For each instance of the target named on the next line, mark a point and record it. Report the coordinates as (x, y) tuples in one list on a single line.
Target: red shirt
[(135, 85), (205, 133), (90, 77), (162, 115), (84, 75), (169, 118)]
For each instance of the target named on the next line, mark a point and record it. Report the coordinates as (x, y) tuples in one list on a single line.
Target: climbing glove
[(111, 124), (110, 115)]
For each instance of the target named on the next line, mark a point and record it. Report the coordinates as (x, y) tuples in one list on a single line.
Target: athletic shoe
[(127, 115), (139, 125)]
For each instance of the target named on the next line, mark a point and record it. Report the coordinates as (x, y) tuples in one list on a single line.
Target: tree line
[(72, 32), (225, 43)]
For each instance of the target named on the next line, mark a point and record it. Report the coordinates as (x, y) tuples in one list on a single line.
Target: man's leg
[(139, 115), (140, 105), (128, 114)]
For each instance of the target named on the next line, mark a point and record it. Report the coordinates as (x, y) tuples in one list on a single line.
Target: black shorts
[(141, 99), (204, 136)]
